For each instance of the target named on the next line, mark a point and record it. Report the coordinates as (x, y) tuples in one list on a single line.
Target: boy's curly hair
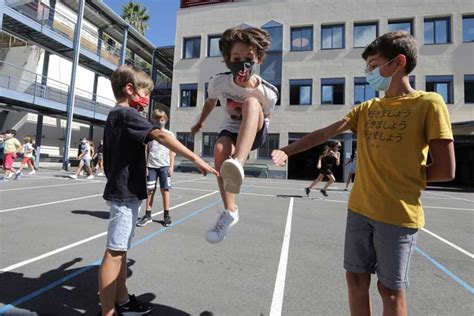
[(255, 37), (391, 44)]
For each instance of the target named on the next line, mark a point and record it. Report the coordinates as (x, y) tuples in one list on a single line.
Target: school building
[(315, 62), (38, 83)]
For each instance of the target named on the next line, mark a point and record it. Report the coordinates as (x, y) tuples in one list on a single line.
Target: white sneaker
[(10, 175), (233, 175), (226, 220), (32, 172), (100, 174), (90, 177), (81, 173), (73, 176)]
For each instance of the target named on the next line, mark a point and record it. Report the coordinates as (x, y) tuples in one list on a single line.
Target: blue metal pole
[(72, 85)]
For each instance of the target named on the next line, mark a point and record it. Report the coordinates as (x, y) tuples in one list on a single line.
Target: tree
[(136, 16)]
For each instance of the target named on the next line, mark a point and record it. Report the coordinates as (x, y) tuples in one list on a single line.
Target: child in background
[(27, 158), (160, 164), (10, 149)]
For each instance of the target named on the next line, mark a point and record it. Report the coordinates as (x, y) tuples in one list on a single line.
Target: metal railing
[(65, 27), (20, 80)]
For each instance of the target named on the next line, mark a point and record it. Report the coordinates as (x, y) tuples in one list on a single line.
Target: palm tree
[(137, 16)]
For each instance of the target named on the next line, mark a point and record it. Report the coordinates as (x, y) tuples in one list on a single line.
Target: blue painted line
[(94, 264), (445, 270)]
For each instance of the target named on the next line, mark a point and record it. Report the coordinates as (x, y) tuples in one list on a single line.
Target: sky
[(162, 18)]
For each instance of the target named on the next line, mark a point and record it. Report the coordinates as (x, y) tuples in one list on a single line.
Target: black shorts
[(325, 171), (260, 138), (158, 174)]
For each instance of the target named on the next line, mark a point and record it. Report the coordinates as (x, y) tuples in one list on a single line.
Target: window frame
[(209, 38), (448, 30), (359, 81), (211, 135), (300, 28), (467, 16), (187, 87), (440, 79), (185, 40), (331, 26), (468, 78), (356, 24), (186, 136), (333, 82), (399, 21), (267, 146), (301, 83)]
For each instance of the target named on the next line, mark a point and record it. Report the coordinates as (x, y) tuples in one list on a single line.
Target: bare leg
[(252, 121), (121, 291), (149, 200), (165, 194), (359, 300), (331, 181), (109, 272), (89, 170), (222, 150), (316, 181), (394, 301)]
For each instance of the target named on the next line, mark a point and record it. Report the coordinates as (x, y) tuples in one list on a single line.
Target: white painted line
[(83, 241), (279, 291), (450, 197), (50, 186), (447, 242), (449, 208), (49, 203)]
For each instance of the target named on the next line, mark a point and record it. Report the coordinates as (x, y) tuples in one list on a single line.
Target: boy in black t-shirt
[(125, 135)]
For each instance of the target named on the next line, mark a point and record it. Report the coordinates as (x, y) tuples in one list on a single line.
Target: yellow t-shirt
[(392, 149), (11, 145)]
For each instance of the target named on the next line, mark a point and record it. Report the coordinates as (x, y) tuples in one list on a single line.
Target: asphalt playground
[(284, 257)]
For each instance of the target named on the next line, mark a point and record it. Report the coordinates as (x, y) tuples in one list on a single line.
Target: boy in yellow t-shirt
[(394, 135)]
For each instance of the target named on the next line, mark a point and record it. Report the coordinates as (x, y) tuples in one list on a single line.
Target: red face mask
[(140, 104)]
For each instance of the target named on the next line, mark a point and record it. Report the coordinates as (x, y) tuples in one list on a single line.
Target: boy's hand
[(204, 168), (170, 172), (279, 157)]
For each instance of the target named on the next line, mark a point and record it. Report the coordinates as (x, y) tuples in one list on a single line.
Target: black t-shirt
[(125, 135), (328, 162), (100, 149)]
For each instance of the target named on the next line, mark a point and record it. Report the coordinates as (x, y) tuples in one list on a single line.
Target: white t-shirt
[(231, 97), (28, 150), (86, 151), (158, 155)]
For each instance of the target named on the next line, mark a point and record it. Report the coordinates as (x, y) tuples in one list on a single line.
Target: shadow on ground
[(76, 292), (98, 214)]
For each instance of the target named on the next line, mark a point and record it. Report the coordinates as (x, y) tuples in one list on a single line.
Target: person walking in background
[(100, 159), (330, 157), (10, 149), (27, 158), (351, 170)]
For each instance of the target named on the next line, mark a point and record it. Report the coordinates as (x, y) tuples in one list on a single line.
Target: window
[(275, 30), (363, 91), (273, 142), (213, 46), (332, 91), (401, 25), (468, 29), (301, 92), (188, 95), (442, 85), (187, 139), (302, 38), (437, 31), (468, 88), (332, 36), (364, 33), (412, 81), (192, 47), (206, 95), (208, 141)]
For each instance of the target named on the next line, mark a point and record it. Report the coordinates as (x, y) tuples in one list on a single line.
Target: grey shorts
[(260, 138), (158, 174), (86, 162), (375, 247), (123, 216)]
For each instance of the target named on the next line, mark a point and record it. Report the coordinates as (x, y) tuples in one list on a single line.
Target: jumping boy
[(125, 134), (394, 135), (248, 101), (160, 164)]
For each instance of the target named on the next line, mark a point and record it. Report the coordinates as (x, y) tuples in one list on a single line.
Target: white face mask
[(8, 135), (83, 141), (163, 123)]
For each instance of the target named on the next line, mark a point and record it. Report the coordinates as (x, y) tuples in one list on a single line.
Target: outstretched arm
[(315, 138), (208, 107)]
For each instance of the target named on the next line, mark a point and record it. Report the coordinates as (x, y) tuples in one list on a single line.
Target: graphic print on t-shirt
[(386, 126), (235, 109)]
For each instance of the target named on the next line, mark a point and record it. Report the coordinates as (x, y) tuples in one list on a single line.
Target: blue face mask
[(377, 81)]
